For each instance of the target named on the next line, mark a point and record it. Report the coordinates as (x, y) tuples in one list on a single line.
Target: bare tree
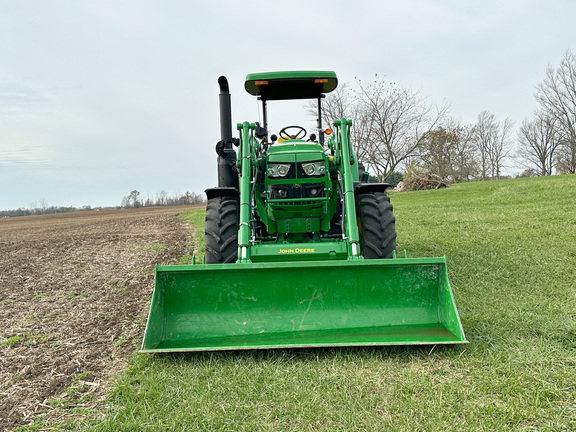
[(501, 148), (336, 105), (396, 120), (344, 103), (161, 198), (492, 140), (484, 133), (388, 121), (557, 98), (566, 160), (538, 141), (44, 205)]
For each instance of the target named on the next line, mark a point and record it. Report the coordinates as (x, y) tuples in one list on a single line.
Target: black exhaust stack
[(225, 109), (227, 172)]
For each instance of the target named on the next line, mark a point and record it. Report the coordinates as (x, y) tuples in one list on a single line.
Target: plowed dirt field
[(74, 296)]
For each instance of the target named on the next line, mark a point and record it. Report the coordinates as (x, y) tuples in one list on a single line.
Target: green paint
[(329, 303)]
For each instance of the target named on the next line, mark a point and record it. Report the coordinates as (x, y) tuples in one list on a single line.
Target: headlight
[(314, 190), (278, 170), (314, 168), (278, 191)]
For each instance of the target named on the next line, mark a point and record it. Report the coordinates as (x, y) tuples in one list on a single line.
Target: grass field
[(511, 250)]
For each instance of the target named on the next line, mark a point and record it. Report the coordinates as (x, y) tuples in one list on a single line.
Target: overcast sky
[(98, 98)]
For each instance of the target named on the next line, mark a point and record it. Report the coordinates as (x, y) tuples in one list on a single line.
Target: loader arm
[(246, 157), (346, 159)]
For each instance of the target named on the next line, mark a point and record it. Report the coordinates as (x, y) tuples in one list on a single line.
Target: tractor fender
[(361, 188), (221, 192)]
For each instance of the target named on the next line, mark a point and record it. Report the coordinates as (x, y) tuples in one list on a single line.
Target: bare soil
[(75, 290)]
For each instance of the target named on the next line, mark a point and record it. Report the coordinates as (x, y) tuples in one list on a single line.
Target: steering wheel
[(300, 134)]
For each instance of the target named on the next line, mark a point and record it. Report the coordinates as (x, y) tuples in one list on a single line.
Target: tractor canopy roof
[(290, 84)]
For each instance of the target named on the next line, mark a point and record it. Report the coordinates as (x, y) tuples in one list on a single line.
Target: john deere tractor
[(300, 248)]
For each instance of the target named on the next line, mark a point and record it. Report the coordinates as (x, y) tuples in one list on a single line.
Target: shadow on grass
[(307, 355)]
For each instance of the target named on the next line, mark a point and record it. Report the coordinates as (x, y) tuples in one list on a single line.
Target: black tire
[(221, 230), (377, 225)]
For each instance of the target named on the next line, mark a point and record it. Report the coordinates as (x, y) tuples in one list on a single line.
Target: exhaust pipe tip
[(223, 83)]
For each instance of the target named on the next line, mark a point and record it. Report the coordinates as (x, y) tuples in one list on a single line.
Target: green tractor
[(300, 249)]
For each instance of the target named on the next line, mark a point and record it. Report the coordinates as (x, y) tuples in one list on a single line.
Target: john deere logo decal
[(296, 250)]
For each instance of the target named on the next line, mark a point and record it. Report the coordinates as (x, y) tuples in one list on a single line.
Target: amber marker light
[(261, 83), (328, 131), (321, 80)]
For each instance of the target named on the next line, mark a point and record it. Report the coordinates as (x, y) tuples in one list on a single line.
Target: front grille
[(299, 203), (291, 191)]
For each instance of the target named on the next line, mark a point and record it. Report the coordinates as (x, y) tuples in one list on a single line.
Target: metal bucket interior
[(306, 304)]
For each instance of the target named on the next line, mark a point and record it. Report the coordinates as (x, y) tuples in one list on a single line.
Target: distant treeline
[(133, 200), (48, 210)]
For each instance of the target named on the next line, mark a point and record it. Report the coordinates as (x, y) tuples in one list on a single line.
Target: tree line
[(34, 210), (135, 199), (395, 129)]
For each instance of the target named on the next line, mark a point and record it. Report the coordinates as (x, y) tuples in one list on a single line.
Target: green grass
[(511, 250), (196, 247), (29, 338)]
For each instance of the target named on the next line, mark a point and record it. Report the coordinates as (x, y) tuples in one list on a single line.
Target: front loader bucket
[(306, 304)]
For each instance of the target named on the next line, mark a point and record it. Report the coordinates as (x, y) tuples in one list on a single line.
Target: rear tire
[(221, 230), (377, 225)]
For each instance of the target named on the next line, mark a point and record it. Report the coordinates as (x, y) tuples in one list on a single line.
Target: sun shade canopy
[(290, 84)]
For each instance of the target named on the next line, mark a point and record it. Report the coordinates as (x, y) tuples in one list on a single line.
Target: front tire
[(377, 225), (221, 230)]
